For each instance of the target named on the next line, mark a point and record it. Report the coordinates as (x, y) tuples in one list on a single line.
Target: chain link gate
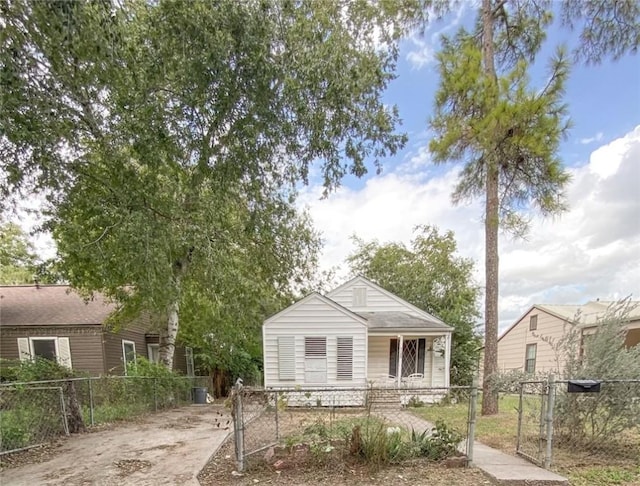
[(535, 421)]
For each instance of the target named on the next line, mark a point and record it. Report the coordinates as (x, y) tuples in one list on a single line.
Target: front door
[(413, 351)]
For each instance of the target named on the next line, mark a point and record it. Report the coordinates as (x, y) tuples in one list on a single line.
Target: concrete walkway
[(501, 468), (512, 470), (165, 448)]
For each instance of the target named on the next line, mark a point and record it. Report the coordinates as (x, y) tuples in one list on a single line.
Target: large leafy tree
[(17, 258), (432, 276), (505, 132), (168, 136)]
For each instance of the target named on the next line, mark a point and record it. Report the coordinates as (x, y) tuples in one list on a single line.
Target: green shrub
[(438, 444), (15, 430), (605, 415), (39, 369), (379, 444)]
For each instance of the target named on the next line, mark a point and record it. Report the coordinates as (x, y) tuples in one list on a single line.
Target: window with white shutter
[(315, 359), (286, 358), (345, 358), (45, 347)]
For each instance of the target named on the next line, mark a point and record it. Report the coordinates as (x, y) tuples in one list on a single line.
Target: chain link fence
[(532, 431), (570, 423), (596, 423), (336, 426), (33, 413)]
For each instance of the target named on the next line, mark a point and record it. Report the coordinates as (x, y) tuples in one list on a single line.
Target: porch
[(409, 361)]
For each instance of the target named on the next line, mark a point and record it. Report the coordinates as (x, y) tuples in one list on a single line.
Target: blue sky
[(592, 251)]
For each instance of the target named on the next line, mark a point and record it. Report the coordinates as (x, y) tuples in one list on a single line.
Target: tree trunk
[(168, 335), (221, 383), (489, 396), (74, 412)]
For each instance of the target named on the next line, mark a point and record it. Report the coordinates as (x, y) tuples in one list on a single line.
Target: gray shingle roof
[(50, 305), (401, 320)]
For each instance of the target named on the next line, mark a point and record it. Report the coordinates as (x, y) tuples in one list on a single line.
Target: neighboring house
[(52, 321), (524, 347), (357, 334)]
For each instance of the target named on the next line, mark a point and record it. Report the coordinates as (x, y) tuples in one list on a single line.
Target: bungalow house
[(54, 322), (356, 335), (524, 346)]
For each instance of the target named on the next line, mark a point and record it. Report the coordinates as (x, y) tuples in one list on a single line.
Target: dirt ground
[(301, 469), (164, 448)]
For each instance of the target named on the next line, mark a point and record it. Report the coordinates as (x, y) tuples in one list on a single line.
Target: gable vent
[(360, 297)]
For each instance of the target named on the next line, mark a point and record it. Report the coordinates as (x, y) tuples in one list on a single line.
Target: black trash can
[(200, 395)]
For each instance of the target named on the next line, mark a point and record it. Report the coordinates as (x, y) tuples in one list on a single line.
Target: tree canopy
[(17, 257), (432, 276), (169, 137)]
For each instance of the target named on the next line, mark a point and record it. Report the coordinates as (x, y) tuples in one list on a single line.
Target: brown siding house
[(54, 321)]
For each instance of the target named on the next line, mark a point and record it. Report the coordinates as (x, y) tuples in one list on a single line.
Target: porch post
[(401, 346), (447, 360)]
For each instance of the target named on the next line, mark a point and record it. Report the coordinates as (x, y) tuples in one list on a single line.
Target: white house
[(356, 335)]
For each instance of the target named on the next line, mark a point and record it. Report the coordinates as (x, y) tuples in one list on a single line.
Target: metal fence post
[(63, 408), (238, 427), (551, 394), (473, 407), (520, 412), (91, 417), (155, 394), (275, 401)]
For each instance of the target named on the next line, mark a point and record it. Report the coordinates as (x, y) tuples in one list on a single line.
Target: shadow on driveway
[(168, 447)]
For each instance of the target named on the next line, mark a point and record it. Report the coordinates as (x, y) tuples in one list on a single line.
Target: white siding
[(513, 345), (314, 317), (375, 300)]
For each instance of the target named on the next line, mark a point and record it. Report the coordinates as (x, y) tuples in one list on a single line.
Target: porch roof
[(391, 321)]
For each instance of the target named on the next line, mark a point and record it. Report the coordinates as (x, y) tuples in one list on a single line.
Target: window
[(128, 353), (533, 322), (413, 357), (153, 352), (530, 359), (360, 297), (286, 358), (344, 369), (44, 348), (50, 347), (315, 359)]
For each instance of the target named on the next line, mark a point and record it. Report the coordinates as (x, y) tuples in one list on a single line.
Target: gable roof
[(360, 279), (322, 298), (50, 305), (589, 313)]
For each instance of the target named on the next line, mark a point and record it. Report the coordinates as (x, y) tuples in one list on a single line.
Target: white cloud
[(596, 138), (425, 45), (423, 53), (592, 251)]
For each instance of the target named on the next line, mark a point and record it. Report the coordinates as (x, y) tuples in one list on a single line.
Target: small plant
[(283, 401), (438, 444), (378, 444), (318, 429), (415, 402)]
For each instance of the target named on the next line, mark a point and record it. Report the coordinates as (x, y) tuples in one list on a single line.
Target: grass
[(583, 468), (498, 431)]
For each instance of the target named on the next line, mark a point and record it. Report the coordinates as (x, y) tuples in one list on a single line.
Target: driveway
[(165, 448)]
